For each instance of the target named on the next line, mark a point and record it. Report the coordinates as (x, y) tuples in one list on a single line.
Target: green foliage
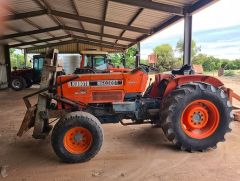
[(195, 48), (211, 63), (130, 56), (116, 58), (229, 73), (166, 60), (17, 60)]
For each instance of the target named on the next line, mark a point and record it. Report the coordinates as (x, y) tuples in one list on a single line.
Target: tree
[(199, 59), (195, 49), (165, 54), (17, 59), (130, 57)]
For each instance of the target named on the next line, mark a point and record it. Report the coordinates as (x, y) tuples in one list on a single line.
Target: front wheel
[(77, 138), (196, 116)]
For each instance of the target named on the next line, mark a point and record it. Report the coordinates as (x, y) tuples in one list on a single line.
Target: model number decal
[(107, 82), (95, 83)]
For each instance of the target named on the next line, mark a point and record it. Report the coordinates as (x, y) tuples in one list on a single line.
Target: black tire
[(28, 83), (18, 83), (72, 120), (174, 105)]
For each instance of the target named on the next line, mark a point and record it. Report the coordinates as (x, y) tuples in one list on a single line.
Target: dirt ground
[(128, 153)]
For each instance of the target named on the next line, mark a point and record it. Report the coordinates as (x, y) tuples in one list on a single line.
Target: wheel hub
[(78, 137), (197, 118), (200, 119), (78, 140)]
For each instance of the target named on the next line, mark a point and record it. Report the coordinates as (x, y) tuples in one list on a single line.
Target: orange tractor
[(194, 111)]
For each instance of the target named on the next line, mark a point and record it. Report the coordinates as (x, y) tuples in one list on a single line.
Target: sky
[(216, 30)]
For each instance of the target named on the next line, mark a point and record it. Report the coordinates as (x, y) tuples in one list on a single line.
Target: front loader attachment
[(33, 116)]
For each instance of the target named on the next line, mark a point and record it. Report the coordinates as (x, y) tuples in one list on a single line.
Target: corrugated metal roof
[(22, 6), (90, 8), (120, 13), (150, 19), (102, 23), (43, 21), (61, 5)]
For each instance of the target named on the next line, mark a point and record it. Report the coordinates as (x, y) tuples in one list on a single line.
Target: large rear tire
[(18, 83), (77, 138), (196, 116)]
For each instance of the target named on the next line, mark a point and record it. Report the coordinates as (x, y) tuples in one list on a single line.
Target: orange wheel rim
[(77, 140), (200, 119)]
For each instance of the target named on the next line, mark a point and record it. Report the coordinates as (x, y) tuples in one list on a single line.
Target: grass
[(229, 73)]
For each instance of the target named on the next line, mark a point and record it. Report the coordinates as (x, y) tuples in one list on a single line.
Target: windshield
[(95, 61)]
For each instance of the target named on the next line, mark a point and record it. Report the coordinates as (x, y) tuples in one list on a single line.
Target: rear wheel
[(196, 116), (77, 138), (18, 83)]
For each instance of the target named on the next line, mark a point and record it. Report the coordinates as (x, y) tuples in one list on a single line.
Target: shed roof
[(72, 25)]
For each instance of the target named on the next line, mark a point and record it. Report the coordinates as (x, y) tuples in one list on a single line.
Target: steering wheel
[(148, 68)]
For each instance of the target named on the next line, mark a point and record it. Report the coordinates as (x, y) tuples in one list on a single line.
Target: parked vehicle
[(26, 77)]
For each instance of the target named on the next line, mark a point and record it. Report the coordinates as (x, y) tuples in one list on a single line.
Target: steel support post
[(138, 55), (187, 39)]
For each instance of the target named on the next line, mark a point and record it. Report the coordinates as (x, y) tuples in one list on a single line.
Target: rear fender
[(184, 79)]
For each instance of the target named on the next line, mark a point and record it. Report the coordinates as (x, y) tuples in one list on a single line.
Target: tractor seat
[(184, 70)]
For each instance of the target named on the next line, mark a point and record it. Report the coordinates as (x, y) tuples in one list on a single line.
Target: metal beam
[(100, 41), (187, 39), (74, 41), (100, 45), (52, 44), (153, 6), (137, 63), (26, 15), (98, 34), (199, 5), (99, 22), (27, 33), (39, 41)]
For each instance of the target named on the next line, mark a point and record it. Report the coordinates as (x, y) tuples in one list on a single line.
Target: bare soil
[(128, 153)]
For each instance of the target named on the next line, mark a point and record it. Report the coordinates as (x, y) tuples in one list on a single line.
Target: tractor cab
[(94, 61)]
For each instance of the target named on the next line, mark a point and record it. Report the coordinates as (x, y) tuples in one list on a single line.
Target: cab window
[(38, 63), (98, 61)]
